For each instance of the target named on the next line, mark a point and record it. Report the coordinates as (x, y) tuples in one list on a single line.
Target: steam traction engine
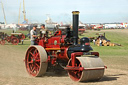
[(64, 50), (14, 38)]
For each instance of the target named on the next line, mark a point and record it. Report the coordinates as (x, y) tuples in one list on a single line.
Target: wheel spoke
[(36, 70), (78, 74), (38, 60), (32, 54), (30, 62), (35, 53), (75, 72), (33, 69), (37, 65), (31, 66), (31, 57), (79, 65)]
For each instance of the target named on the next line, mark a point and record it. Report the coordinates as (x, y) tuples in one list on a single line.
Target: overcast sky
[(91, 11)]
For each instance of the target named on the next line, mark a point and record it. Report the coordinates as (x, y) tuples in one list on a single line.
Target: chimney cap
[(75, 12)]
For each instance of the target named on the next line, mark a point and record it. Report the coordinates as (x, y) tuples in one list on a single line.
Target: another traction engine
[(62, 50)]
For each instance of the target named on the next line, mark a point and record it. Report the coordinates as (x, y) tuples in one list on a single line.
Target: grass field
[(117, 55), (115, 58)]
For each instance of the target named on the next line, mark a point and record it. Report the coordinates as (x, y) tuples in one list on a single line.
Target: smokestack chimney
[(75, 26)]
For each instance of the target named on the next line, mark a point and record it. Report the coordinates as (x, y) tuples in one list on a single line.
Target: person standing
[(100, 42), (43, 31), (94, 41), (33, 35), (14, 29)]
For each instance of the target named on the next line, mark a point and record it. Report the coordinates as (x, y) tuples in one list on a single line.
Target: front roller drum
[(90, 73), (36, 61)]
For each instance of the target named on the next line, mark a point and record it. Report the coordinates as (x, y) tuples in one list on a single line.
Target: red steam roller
[(63, 51)]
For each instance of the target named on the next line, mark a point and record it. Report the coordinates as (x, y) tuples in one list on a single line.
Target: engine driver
[(33, 35)]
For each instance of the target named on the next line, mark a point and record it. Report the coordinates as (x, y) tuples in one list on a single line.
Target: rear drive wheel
[(15, 41), (36, 61)]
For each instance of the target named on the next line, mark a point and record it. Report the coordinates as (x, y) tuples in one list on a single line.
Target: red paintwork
[(87, 43), (81, 29), (57, 33), (63, 54), (41, 42), (95, 53), (73, 65), (62, 38), (73, 57), (55, 41), (75, 68)]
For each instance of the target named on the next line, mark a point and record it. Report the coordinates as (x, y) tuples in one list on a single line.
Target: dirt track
[(12, 72)]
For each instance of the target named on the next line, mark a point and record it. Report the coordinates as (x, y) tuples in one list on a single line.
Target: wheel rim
[(8, 38), (75, 74), (2, 42), (15, 41), (33, 62)]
